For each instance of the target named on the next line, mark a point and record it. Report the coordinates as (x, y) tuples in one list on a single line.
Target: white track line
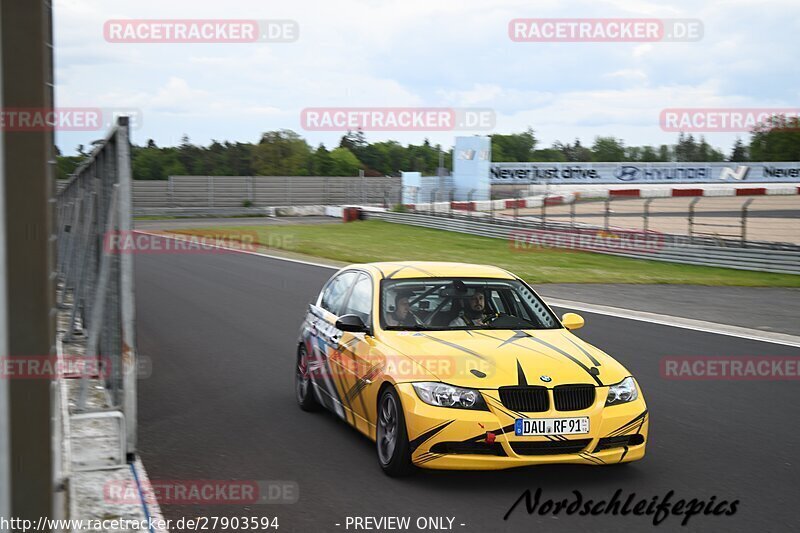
[(679, 322), (641, 316)]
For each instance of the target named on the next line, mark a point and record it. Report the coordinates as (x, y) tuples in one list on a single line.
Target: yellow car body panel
[(361, 365)]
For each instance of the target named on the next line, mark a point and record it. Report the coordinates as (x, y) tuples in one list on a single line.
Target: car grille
[(525, 399), (573, 397), (619, 442), (549, 447), (469, 448)]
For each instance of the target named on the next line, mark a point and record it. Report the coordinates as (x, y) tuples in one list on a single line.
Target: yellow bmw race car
[(458, 366)]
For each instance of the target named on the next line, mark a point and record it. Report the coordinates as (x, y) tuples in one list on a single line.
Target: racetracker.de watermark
[(202, 492), (53, 367), (200, 31), (587, 239), (747, 368), (743, 119), (400, 367), (68, 366), (604, 30), (397, 119), (220, 242), (18, 119)]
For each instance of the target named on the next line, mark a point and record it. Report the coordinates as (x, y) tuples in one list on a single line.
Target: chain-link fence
[(95, 281), (728, 220)]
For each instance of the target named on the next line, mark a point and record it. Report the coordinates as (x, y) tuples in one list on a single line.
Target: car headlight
[(623, 392), (444, 395)]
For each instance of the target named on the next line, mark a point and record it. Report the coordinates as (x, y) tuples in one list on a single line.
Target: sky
[(424, 53)]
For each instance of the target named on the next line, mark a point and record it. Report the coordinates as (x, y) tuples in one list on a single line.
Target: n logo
[(467, 154), (739, 174)]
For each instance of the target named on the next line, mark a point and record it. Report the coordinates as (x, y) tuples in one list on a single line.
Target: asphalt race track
[(221, 329)]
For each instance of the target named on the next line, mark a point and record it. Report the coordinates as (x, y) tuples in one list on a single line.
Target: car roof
[(433, 269)]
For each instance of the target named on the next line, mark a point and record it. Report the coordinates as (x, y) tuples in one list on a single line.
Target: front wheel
[(394, 454), (302, 382)]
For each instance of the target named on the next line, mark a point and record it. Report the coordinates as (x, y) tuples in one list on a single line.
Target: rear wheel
[(302, 382), (394, 454)]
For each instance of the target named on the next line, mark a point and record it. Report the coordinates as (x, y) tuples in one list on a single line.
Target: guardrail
[(654, 246), (96, 283)]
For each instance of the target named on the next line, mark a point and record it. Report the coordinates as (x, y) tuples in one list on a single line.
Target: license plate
[(527, 427)]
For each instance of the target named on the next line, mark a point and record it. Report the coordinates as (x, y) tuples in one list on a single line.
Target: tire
[(394, 451), (302, 383)]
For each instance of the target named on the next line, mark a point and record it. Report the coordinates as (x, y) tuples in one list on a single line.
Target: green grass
[(368, 241)]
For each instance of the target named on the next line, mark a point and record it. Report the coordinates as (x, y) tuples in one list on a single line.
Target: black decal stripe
[(500, 407), (518, 334), (624, 453), (414, 444), (481, 436), (594, 361), (456, 346), (403, 267), (523, 381), (596, 460), (362, 383), (516, 345), (629, 426), (568, 356)]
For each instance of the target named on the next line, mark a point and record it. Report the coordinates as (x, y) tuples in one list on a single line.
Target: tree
[(776, 140), (739, 152), (516, 147), (344, 163), (607, 149), (321, 162), (148, 165), (281, 153), (648, 155)]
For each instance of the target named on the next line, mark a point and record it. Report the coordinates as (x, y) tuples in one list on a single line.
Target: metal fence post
[(433, 201), (469, 202), (745, 207), (450, 204), (691, 218), (128, 359), (646, 215), (607, 214), (544, 211), (572, 213), (170, 192)]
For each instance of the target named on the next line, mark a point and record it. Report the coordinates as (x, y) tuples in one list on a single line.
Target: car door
[(356, 351), (324, 356)]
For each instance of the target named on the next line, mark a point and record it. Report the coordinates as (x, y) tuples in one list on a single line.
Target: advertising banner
[(609, 173)]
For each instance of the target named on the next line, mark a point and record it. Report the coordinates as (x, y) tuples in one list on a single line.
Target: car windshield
[(461, 303)]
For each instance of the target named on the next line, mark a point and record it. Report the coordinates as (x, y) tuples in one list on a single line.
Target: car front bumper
[(445, 438)]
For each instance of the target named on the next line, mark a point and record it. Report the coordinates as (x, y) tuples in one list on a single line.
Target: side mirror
[(572, 321), (351, 323)]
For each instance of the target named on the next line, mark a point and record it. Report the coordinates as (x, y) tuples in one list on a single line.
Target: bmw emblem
[(546, 379)]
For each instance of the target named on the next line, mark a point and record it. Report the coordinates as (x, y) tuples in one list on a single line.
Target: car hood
[(489, 359)]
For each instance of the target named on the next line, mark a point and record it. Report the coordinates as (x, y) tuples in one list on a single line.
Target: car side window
[(335, 292), (360, 301)]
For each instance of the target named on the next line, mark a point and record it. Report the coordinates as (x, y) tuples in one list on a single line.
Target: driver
[(402, 315), (474, 313)]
